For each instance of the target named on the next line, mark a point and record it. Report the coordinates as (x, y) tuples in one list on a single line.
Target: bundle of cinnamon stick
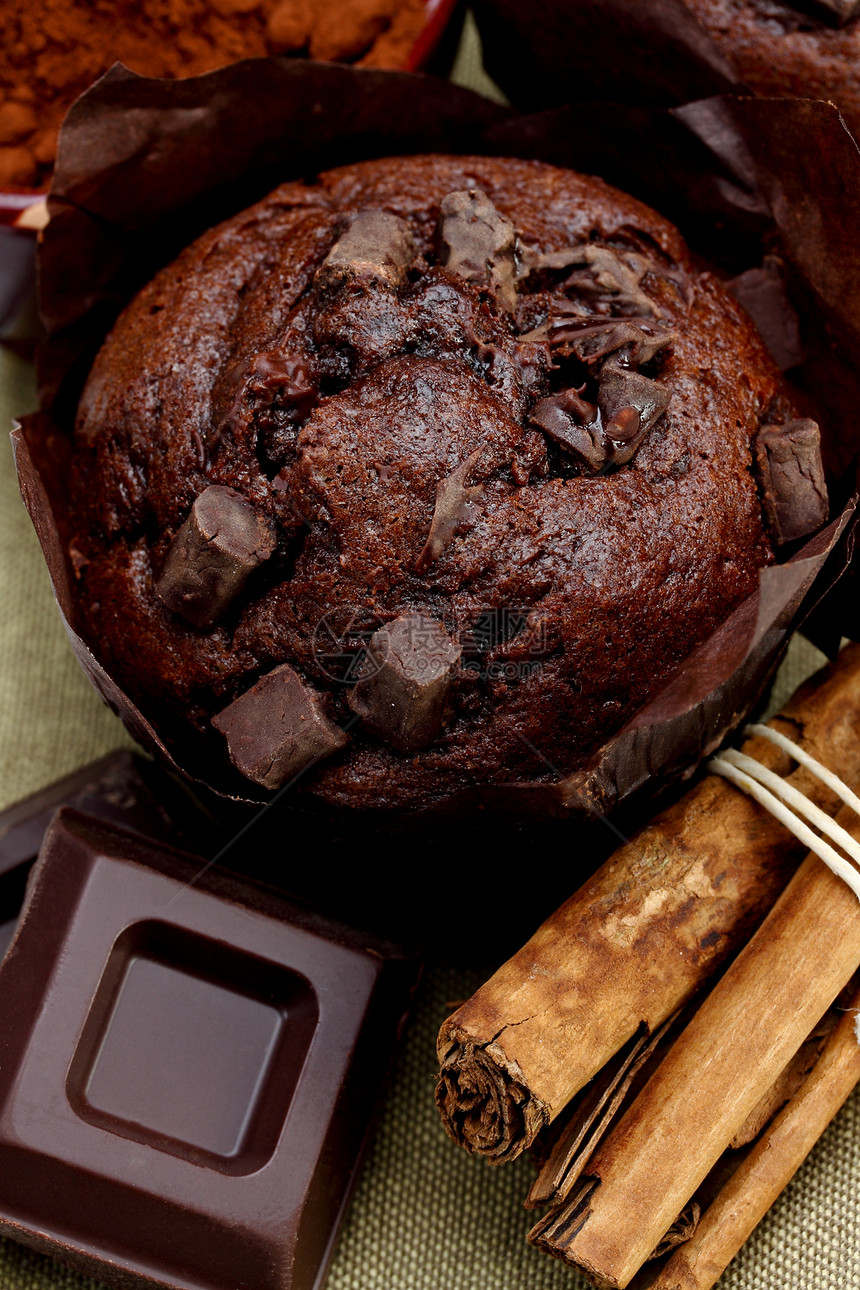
[(675, 1038)]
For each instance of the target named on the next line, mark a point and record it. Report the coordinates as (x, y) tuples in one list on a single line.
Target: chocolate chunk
[(604, 273), (376, 249), (270, 397), (791, 477), (454, 506), (219, 546), (284, 381), (189, 1066), (277, 729), (404, 681), (279, 393), (478, 243), (574, 424), (630, 404), (591, 338)]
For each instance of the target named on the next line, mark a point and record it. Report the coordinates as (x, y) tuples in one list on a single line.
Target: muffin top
[(421, 476)]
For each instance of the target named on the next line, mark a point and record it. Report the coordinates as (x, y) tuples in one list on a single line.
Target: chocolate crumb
[(791, 477), (277, 729), (404, 681), (219, 546)]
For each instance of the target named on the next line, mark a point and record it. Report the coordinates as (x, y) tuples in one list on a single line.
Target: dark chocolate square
[(172, 1043), (188, 1066), (124, 789), (192, 1048)]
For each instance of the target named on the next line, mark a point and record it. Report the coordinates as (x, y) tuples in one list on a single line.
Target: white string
[(802, 756), (793, 798), (767, 789)]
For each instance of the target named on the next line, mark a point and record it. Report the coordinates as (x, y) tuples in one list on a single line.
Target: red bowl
[(23, 211), (21, 217), (437, 41)]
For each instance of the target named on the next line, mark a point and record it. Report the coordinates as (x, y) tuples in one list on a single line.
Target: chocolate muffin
[(422, 476), (800, 48)]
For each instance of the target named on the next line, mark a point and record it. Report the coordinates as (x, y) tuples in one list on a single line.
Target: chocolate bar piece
[(219, 546), (123, 789), (277, 729), (478, 242), (376, 248), (404, 681), (791, 477), (188, 1066)]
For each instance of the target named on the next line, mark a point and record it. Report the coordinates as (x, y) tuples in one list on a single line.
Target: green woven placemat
[(424, 1215)]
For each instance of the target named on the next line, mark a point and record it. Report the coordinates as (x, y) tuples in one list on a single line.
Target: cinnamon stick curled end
[(485, 1107)]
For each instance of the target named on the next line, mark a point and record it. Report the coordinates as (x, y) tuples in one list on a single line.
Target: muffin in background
[(674, 52), (803, 50)]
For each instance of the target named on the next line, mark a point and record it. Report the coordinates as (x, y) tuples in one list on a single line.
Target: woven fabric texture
[(424, 1215)]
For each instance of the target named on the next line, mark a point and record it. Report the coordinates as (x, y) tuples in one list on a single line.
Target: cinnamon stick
[(757, 1016), (785, 1085), (638, 939), (576, 1134), (592, 1113), (770, 1165)]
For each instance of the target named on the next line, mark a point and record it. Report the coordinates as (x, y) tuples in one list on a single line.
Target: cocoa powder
[(51, 50)]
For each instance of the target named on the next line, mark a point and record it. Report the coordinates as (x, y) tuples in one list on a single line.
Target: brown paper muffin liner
[(146, 165)]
